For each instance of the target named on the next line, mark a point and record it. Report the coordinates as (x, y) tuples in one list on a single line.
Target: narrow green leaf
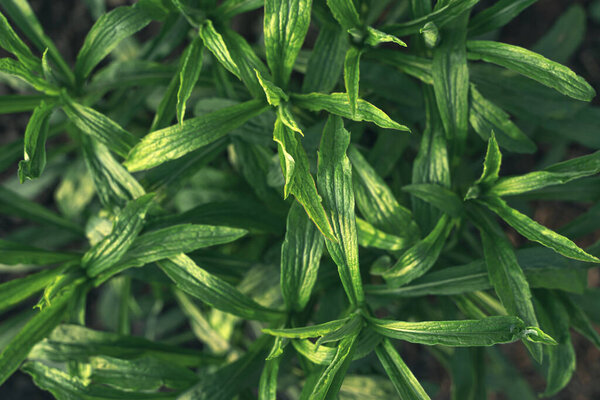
[(492, 162), (17, 290), (369, 236), (536, 232), (345, 13), (432, 164), (168, 242), (338, 104), (334, 179), (556, 174), (533, 66), (13, 67), (65, 386), (196, 282), (444, 13), (106, 34), (496, 16), (554, 317), (226, 382), (505, 273), (76, 342), (330, 380), (12, 203), (406, 384), (417, 67), (191, 65), (13, 103), (140, 374), (376, 37), (326, 60), (201, 327), (127, 225), (214, 42), (35, 330), (352, 76), (235, 54), (230, 8), (175, 141), (305, 332), (99, 126), (267, 387), (580, 321), (285, 26), (486, 117), (114, 185), (542, 267), (462, 333), (274, 94), (351, 327), (13, 253), (438, 196), (376, 201), (451, 83), (24, 17), (298, 180), (10, 42), (300, 257), (367, 340), (285, 115), (35, 143), (419, 259)]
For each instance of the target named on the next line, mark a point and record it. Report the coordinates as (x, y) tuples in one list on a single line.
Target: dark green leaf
[(345, 13), (35, 143), (451, 82), (106, 34), (417, 260), (554, 318), (536, 232), (326, 61), (14, 204), (444, 13), (482, 332), (127, 225), (19, 289), (352, 76), (334, 180), (438, 196), (114, 185), (35, 330), (177, 140), (376, 201), (10, 42), (298, 180), (75, 342), (505, 273), (486, 117), (406, 384), (66, 386), (214, 291), (338, 104), (99, 126), (533, 66), (285, 26), (191, 65), (300, 257)]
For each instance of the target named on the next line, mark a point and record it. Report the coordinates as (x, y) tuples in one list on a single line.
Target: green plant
[(178, 169)]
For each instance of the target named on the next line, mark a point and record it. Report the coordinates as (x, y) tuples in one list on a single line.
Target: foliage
[(206, 189)]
